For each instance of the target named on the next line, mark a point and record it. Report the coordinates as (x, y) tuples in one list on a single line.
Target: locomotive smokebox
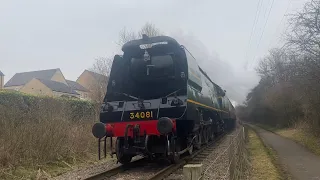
[(99, 130), (164, 125)]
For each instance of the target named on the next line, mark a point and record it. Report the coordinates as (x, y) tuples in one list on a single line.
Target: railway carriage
[(160, 103)]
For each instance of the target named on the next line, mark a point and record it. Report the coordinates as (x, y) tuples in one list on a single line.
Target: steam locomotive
[(160, 103)]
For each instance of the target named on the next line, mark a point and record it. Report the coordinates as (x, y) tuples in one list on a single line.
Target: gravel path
[(300, 163), (139, 173)]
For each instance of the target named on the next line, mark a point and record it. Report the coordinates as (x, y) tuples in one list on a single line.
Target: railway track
[(196, 157), (111, 172)]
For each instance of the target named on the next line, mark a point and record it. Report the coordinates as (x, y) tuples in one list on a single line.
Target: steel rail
[(116, 170), (170, 169), (160, 174)]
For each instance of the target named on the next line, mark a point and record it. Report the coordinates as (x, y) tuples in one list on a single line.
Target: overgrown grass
[(267, 127), (261, 162), (43, 136)]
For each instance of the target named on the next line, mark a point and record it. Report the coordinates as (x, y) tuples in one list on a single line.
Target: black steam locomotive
[(160, 103)]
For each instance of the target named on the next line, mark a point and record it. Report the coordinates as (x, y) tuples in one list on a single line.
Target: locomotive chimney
[(144, 37)]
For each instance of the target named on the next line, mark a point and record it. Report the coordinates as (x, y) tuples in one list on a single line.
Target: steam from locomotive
[(160, 103)]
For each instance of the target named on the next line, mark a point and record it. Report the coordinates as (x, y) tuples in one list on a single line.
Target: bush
[(36, 130)]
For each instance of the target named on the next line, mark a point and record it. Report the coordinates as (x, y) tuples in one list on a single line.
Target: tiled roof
[(76, 86), (22, 78), (97, 76), (1, 74), (57, 86)]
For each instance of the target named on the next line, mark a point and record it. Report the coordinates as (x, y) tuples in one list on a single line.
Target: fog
[(69, 35), (237, 81)]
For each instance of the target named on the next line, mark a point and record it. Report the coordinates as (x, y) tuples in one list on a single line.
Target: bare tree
[(304, 39), (304, 34), (102, 65), (98, 87), (288, 92), (148, 29), (125, 36)]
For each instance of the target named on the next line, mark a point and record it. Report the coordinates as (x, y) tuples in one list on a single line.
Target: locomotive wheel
[(190, 151), (198, 140), (121, 156), (211, 136), (203, 135), (175, 147), (216, 134), (175, 158), (150, 158), (206, 135)]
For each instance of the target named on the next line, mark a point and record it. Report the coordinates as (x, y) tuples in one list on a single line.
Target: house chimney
[(1, 80)]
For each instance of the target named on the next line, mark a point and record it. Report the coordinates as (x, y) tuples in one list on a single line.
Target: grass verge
[(48, 170), (42, 137), (262, 159)]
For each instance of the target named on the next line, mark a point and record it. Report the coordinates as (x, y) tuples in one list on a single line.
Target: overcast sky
[(69, 35)]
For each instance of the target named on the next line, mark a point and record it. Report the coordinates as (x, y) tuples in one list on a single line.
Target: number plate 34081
[(141, 115)]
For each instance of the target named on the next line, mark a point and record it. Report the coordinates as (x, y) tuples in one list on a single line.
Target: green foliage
[(24, 104)]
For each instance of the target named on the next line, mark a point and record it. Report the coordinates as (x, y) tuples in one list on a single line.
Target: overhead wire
[(263, 30), (274, 34), (257, 14), (255, 22)]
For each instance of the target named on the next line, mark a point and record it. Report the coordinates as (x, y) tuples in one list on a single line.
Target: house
[(82, 91), (49, 82), (90, 79), (96, 83), (1, 80)]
